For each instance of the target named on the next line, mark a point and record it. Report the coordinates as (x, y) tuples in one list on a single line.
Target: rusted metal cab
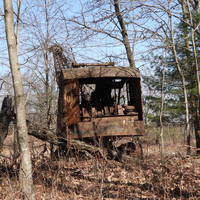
[(100, 101)]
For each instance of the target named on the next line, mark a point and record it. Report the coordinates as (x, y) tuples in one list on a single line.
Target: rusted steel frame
[(61, 123), (135, 96), (124, 93), (127, 92), (115, 91), (74, 64), (119, 93), (141, 100), (100, 72)]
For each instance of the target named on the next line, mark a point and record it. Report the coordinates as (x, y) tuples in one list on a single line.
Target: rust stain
[(108, 126), (71, 101)]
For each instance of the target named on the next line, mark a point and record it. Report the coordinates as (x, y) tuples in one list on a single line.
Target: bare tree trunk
[(124, 34), (185, 30), (16, 142), (182, 79), (25, 174), (18, 25), (162, 104), (49, 121), (197, 78)]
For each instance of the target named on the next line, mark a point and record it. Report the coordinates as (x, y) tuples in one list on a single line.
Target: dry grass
[(175, 175)]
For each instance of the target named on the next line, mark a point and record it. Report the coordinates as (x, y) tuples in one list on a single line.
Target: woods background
[(161, 38)]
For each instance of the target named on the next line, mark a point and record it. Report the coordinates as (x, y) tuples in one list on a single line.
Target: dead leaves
[(173, 177)]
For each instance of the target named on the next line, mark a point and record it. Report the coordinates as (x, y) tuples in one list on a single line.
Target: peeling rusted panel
[(71, 101), (108, 126), (61, 127)]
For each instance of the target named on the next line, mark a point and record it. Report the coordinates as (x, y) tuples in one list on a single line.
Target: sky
[(99, 48), (96, 48)]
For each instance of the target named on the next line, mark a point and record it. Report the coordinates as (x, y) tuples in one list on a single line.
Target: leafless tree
[(162, 104), (195, 4), (111, 21), (26, 181)]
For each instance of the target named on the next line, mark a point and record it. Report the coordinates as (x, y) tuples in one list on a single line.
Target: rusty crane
[(99, 100)]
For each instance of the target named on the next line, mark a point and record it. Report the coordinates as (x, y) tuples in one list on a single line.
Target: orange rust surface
[(71, 101), (83, 122)]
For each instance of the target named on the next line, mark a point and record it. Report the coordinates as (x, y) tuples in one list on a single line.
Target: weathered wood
[(44, 134), (5, 119)]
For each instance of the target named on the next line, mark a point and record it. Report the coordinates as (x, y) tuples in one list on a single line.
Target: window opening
[(105, 97)]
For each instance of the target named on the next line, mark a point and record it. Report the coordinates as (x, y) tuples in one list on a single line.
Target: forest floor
[(174, 175)]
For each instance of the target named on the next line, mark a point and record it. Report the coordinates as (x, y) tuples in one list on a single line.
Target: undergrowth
[(172, 176)]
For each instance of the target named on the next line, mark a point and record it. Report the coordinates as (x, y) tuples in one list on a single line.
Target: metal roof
[(100, 71)]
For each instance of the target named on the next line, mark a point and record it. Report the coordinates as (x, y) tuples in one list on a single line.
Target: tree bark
[(124, 34), (25, 174), (190, 69), (182, 80), (46, 59), (197, 77), (162, 105)]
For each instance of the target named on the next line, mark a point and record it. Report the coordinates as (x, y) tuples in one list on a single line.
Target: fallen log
[(49, 136), (43, 134)]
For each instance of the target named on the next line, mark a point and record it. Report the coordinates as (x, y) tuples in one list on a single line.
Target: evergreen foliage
[(173, 95), (173, 108)]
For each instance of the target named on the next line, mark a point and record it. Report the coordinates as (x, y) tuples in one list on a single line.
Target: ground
[(171, 175)]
